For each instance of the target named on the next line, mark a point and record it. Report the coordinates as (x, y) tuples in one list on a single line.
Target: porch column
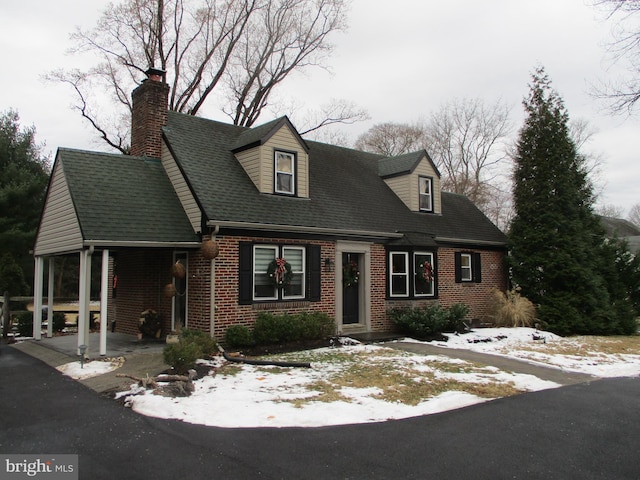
[(50, 293), (37, 297), (85, 290), (104, 298)]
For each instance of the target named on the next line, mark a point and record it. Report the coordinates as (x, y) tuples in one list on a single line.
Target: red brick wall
[(228, 312), (477, 296), (142, 275)]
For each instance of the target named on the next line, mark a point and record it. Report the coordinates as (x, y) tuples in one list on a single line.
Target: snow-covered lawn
[(365, 383)]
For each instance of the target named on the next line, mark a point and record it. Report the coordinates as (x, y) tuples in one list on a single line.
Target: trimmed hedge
[(429, 321), (271, 329)]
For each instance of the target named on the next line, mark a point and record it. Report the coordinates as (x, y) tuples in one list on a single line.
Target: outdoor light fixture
[(83, 349), (328, 265)]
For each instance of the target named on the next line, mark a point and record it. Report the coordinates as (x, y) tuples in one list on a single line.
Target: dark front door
[(350, 288)]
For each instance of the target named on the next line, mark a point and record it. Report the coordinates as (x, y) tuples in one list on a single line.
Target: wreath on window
[(350, 274), (280, 272), (425, 272)]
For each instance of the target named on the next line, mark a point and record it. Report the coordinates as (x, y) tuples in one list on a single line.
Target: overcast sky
[(400, 60)]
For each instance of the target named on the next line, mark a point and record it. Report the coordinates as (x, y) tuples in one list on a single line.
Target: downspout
[(212, 290)]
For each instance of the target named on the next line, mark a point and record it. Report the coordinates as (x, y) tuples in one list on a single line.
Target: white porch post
[(85, 290), (50, 298), (37, 298), (104, 298)]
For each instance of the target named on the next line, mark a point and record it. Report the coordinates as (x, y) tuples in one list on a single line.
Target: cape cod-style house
[(358, 233)]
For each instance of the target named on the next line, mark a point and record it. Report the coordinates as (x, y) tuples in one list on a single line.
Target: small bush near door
[(192, 345)]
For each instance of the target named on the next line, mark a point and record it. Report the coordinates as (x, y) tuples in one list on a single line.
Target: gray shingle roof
[(123, 198), (346, 191), (402, 164)]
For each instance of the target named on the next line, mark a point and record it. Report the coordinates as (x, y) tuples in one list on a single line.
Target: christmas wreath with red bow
[(425, 272), (280, 272)]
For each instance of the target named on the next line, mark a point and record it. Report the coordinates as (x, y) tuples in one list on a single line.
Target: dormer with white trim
[(276, 158), (415, 180)]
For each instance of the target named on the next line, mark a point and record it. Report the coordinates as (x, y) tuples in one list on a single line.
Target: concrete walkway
[(507, 364), (141, 357)]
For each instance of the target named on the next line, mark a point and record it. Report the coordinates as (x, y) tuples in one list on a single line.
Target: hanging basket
[(210, 249), (178, 270), (169, 290)]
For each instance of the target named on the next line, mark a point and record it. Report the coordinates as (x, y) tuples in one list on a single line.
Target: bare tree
[(610, 210), (238, 51), (634, 215), (392, 139), (624, 94), (466, 139)]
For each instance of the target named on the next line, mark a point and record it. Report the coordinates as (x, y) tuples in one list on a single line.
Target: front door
[(351, 288)]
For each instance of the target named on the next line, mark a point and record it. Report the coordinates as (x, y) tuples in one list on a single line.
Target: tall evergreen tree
[(23, 181), (556, 240)]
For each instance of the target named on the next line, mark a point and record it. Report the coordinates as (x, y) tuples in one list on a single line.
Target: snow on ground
[(79, 371), (257, 396), (572, 354)]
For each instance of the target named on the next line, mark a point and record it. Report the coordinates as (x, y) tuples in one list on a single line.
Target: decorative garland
[(350, 274), (425, 272), (280, 273)]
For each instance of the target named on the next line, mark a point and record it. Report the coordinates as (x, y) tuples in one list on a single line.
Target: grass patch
[(409, 383)]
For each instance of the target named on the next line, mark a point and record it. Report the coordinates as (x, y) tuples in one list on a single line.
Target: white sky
[(400, 60)]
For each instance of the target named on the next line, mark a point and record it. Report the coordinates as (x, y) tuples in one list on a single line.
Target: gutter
[(302, 229), (488, 243), (134, 243)]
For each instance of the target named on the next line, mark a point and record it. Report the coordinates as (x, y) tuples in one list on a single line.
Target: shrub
[(192, 345), (24, 322), (457, 313), (59, 321), (271, 329), (429, 321), (238, 336), (512, 309)]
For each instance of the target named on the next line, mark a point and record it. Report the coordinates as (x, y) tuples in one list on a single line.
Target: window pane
[(284, 163), (295, 258), (424, 274), (263, 287), (399, 274), (465, 264), (425, 193), (285, 183)]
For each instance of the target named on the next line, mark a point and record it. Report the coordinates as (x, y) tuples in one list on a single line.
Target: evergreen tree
[(23, 181), (556, 240)]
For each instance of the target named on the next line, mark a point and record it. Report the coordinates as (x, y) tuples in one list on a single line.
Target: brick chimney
[(149, 115)]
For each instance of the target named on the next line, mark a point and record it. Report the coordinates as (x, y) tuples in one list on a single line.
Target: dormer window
[(425, 194), (285, 173)]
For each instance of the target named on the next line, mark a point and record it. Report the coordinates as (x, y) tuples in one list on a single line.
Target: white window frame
[(393, 275), (279, 251), (292, 157), (415, 275), (301, 272), (429, 182), (466, 271), (253, 268)]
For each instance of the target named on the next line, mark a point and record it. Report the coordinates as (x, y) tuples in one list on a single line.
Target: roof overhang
[(301, 229), (464, 241)]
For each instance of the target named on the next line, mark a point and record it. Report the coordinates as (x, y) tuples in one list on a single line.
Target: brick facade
[(143, 274)]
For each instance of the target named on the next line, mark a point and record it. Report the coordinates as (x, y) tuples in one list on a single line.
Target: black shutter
[(477, 267), (245, 274), (458, 266), (314, 268)]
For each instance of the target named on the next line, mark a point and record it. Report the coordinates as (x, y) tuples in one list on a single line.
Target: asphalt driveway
[(583, 431)]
